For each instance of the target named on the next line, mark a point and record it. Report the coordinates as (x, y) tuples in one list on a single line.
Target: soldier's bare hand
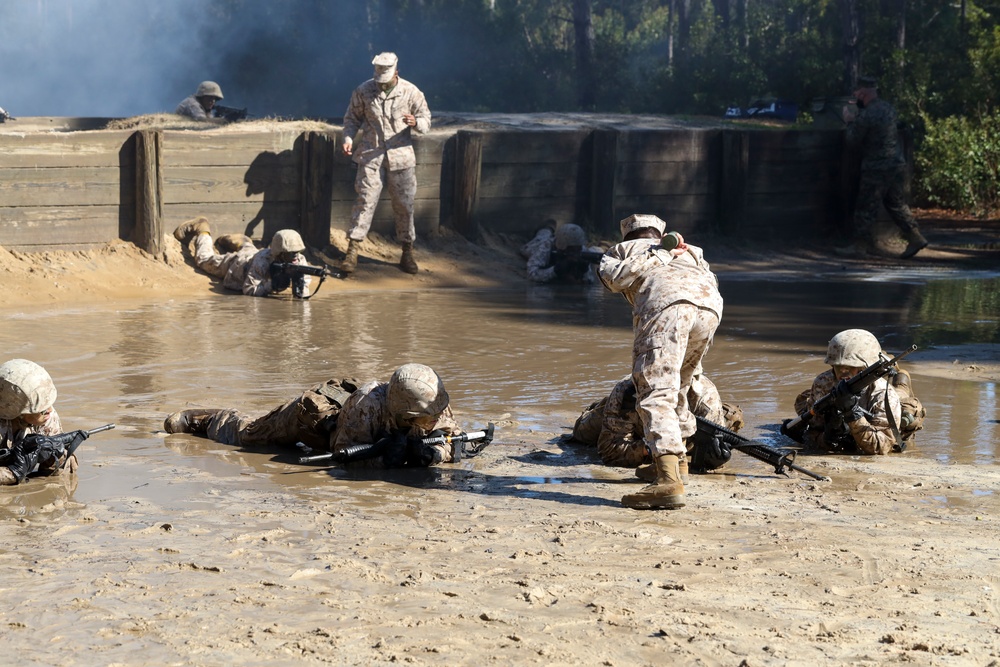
[(681, 246), (72, 464), (410, 119), (346, 147)]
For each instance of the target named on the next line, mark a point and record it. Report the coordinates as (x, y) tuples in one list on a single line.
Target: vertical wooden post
[(604, 182), (316, 196), (733, 184), (468, 170), (148, 232)]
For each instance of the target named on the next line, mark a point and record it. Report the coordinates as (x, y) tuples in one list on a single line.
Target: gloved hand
[(280, 279), (298, 286), (847, 403), (709, 452), (797, 436), (394, 455)]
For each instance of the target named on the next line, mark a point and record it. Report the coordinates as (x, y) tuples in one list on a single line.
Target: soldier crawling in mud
[(554, 255), (386, 109), (240, 265), (881, 419), (612, 425), (676, 308), (340, 414), (27, 400)]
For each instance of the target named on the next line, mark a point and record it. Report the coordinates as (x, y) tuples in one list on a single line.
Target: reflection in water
[(538, 355)]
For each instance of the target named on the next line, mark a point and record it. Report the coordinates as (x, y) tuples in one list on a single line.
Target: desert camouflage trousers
[(402, 191), (882, 187), (230, 266), (663, 377)]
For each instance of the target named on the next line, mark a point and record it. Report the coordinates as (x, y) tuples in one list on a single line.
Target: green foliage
[(958, 163)]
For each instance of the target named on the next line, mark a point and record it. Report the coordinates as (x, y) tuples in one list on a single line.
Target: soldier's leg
[(699, 339), (872, 187), (895, 203), (403, 191), (207, 259), (368, 186), (278, 427)]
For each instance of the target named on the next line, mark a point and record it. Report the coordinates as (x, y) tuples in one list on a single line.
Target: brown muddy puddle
[(528, 359)]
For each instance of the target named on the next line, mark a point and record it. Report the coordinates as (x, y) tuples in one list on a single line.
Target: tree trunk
[(583, 29), (851, 42)]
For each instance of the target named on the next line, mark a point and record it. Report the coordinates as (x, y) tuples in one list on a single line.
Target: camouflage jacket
[(191, 108), (876, 134), (258, 273), (652, 279), (379, 115)]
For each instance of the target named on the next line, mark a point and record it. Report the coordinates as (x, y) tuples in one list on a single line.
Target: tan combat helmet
[(416, 390), (856, 348), (25, 388), (641, 221), (286, 240), (570, 235), (209, 89)]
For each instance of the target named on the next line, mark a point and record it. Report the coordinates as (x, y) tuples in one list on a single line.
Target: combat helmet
[(416, 390), (854, 347), (286, 240), (25, 388), (570, 235), (209, 89)]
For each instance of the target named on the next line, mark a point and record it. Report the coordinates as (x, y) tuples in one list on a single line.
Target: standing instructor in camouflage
[(386, 109), (883, 171)]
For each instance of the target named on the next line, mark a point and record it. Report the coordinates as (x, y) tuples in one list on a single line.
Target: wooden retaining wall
[(74, 189)]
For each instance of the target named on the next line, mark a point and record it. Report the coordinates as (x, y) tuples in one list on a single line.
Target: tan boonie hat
[(641, 221), (385, 67)]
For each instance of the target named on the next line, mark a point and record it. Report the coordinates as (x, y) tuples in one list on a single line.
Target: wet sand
[(175, 550)]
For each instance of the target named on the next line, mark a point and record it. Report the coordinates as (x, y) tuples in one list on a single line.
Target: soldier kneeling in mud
[(341, 414), (883, 418), (613, 426)]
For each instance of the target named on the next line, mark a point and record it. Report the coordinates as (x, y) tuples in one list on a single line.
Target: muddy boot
[(666, 493), (185, 232), (189, 421), (406, 262), (232, 242), (647, 471), (350, 262), (917, 242)]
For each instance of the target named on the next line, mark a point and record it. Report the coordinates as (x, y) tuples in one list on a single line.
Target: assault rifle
[(779, 458), (795, 428), (463, 445), (297, 270), (231, 114), (4, 116), (588, 256), (55, 445)]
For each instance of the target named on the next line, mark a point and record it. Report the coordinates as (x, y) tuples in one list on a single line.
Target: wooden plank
[(222, 184), (524, 215), (681, 212), (317, 188), (147, 232), (64, 150), (209, 149), (529, 180), (518, 147), (687, 145), (665, 178), (26, 226), (428, 183), (603, 180), (795, 146), (780, 177), (70, 186), (733, 168), (466, 187), (249, 218)]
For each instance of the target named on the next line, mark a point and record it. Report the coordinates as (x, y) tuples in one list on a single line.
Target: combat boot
[(185, 232), (232, 242), (406, 262), (189, 421), (647, 471), (917, 242), (350, 262), (667, 492)]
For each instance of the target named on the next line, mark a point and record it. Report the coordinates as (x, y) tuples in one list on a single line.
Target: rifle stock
[(361, 452), (794, 428), (779, 458)]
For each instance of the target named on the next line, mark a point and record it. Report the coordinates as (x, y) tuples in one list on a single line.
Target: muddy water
[(528, 359)]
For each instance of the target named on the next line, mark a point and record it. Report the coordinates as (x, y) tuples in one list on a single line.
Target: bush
[(958, 164)]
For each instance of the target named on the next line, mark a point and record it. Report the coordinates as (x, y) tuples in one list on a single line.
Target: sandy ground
[(521, 556)]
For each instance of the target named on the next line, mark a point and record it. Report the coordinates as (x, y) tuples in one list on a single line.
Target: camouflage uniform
[(676, 308), (869, 435), (613, 425), (541, 269), (258, 273), (883, 170), (191, 107), (327, 417), (230, 266), (385, 153), (10, 429)]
